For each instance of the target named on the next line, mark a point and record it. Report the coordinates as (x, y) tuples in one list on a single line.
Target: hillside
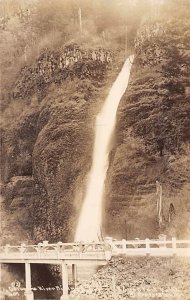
[(56, 74), (132, 278), (152, 137)]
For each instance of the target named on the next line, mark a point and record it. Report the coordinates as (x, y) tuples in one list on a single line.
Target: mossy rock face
[(151, 142), (19, 186), (61, 159), (54, 67), (17, 145), (17, 203), (52, 143)]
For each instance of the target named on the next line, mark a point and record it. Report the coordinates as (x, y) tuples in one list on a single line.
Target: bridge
[(74, 254)]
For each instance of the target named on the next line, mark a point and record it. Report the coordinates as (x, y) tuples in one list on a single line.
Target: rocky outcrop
[(17, 145), (67, 62), (19, 191)]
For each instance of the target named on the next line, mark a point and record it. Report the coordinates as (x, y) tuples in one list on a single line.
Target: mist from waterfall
[(89, 225)]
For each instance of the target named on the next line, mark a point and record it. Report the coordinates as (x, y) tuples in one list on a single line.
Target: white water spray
[(89, 226)]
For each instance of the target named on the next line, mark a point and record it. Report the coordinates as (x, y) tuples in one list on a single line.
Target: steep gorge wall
[(152, 140), (61, 158), (46, 154)]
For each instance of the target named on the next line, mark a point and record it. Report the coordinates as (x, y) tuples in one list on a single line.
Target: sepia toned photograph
[(95, 149)]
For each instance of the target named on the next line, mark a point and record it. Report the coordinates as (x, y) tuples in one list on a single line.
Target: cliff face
[(61, 158), (18, 186), (46, 154), (17, 145), (152, 140)]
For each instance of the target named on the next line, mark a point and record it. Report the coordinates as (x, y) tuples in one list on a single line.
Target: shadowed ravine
[(89, 225)]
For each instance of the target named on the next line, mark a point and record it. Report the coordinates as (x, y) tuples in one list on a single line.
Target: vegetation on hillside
[(30, 26), (138, 278), (153, 130)]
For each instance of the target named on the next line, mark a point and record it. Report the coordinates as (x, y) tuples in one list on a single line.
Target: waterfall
[(89, 225)]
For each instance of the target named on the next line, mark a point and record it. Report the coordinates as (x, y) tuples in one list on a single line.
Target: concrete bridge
[(75, 254)]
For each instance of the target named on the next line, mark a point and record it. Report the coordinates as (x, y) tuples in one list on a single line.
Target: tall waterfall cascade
[(89, 224)]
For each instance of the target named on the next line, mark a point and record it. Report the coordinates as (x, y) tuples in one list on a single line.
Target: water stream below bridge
[(89, 224)]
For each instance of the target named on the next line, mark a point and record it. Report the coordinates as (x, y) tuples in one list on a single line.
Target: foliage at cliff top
[(27, 27)]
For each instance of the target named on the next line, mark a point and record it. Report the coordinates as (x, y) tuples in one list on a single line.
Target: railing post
[(22, 249), (64, 272), (174, 246), (162, 237), (28, 291), (7, 246), (40, 245), (107, 251), (136, 245), (124, 246), (59, 247), (147, 247)]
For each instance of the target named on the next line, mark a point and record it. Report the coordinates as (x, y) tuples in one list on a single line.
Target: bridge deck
[(92, 252), (53, 257)]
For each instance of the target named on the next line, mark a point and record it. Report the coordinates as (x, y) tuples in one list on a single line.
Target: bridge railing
[(97, 250), (54, 251), (152, 247)]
